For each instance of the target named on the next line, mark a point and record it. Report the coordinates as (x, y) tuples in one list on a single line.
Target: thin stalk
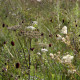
[(73, 77), (9, 51), (73, 68), (29, 61)]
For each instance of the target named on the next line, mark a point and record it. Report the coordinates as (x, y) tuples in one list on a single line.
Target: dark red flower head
[(56, 35), (76, 25), (3, 25), (22, 21), (12, 43), (50, 35), (51, 20), (42, 34), (63, 20), (4, 42), (37, 29), (31, 49), (17, 65), (50, 45), (5, 63)]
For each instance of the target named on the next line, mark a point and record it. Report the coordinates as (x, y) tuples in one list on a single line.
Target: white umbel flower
[(34, 22), (63, 40), (31, 28), (13, 14), (44, 50), (71, 71), (59, 37), (39, 0), (67, 59), (64, 30), (51, 55), (38, 53)]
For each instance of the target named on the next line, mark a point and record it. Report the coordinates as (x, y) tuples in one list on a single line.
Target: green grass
[(51, 17)]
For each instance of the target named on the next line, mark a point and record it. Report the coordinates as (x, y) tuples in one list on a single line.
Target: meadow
[(39, 40)]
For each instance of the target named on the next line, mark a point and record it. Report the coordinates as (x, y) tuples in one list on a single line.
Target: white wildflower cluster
[(13, 14), (64, 30), (31, 27), (63, 40), (67, 59), (58, 52), (54, 56), (59, 37), (44, 50), (34, 22), (38, 53), (71, 71), (39, 0), (51, 55), (66, 39)]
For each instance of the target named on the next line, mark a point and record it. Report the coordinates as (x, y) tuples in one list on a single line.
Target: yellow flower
[(7, 66)]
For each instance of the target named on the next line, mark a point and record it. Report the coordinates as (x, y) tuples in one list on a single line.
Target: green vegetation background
[(51, 17)]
